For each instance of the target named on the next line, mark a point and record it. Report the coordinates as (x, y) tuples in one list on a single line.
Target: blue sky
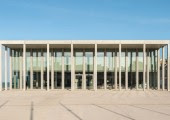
[(84, 19)]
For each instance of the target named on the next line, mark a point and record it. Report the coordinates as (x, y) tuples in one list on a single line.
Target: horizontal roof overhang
[(84, 43)]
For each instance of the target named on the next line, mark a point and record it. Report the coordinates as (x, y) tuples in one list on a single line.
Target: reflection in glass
[(100, 69), (89, 68), (67, 69), (123, 53), (132, 68), (110, 69), (78, 69), (16, 61), (57, 68), (140, 68)]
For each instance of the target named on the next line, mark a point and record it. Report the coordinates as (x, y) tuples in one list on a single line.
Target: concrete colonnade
[(22, 67)]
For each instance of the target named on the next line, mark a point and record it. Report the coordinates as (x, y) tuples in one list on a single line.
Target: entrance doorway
[(89, 81), (78, 81), (37, 80)]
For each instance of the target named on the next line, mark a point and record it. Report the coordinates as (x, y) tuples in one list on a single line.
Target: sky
[(84, 19)]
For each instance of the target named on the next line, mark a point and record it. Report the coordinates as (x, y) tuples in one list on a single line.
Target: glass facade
[(16, 68), (105, 74), (110, 68), (166, 67), (152, 63), (78, 69), (36, 54), (100, 68), (36, 65), (140, 68), (67, 69), (117, 67), (132, 68), (57, 68), (89, 67), (123, 65)]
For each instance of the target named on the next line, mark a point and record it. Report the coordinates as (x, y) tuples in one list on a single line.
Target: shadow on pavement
[(71, 111), (32, 111)]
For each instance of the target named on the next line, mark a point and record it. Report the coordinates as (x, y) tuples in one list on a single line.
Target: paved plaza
[(84, 105)]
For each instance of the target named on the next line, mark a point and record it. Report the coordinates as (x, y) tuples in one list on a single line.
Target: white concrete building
[(85, 64)]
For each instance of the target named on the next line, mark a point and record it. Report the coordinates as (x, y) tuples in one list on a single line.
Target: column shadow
[(4, 104), (32, 111), (150, 110), (114, 112), (71, 111)]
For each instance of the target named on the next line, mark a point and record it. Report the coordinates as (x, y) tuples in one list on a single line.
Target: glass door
[(89, 81), (78, 81)]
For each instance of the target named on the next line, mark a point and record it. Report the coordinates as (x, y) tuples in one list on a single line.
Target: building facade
[(85, 64)]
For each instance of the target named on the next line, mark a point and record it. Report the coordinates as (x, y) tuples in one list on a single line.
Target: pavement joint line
[(4, 104), (149, 110), (90, 104), (32, 111), (69, 110), (114, 112)]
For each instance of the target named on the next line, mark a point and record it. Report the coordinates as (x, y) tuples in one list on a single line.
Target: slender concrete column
[(154, 76), (18, 66), (55, 74), (158, 69), (0, 67), (52, 69), (126, 69), (15, 84), (21, 69), (11, 73), (24, 66), (137, 70), (31, 70), (115, 70), (105, 70), (148, 59), (168, 69), (163, 68), (37, 77), (6, 68), (42, 71), (48, 69), (84, 71), (72, 67), (95, 68), (120, 67), (62, 69), (144, 65)]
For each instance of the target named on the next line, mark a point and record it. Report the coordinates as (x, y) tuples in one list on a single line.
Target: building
[(85, 64)]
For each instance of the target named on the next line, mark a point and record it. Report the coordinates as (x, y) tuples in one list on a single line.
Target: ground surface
[(84, 105)]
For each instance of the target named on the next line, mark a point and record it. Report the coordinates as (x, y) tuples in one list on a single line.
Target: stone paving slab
[(85, 105)]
